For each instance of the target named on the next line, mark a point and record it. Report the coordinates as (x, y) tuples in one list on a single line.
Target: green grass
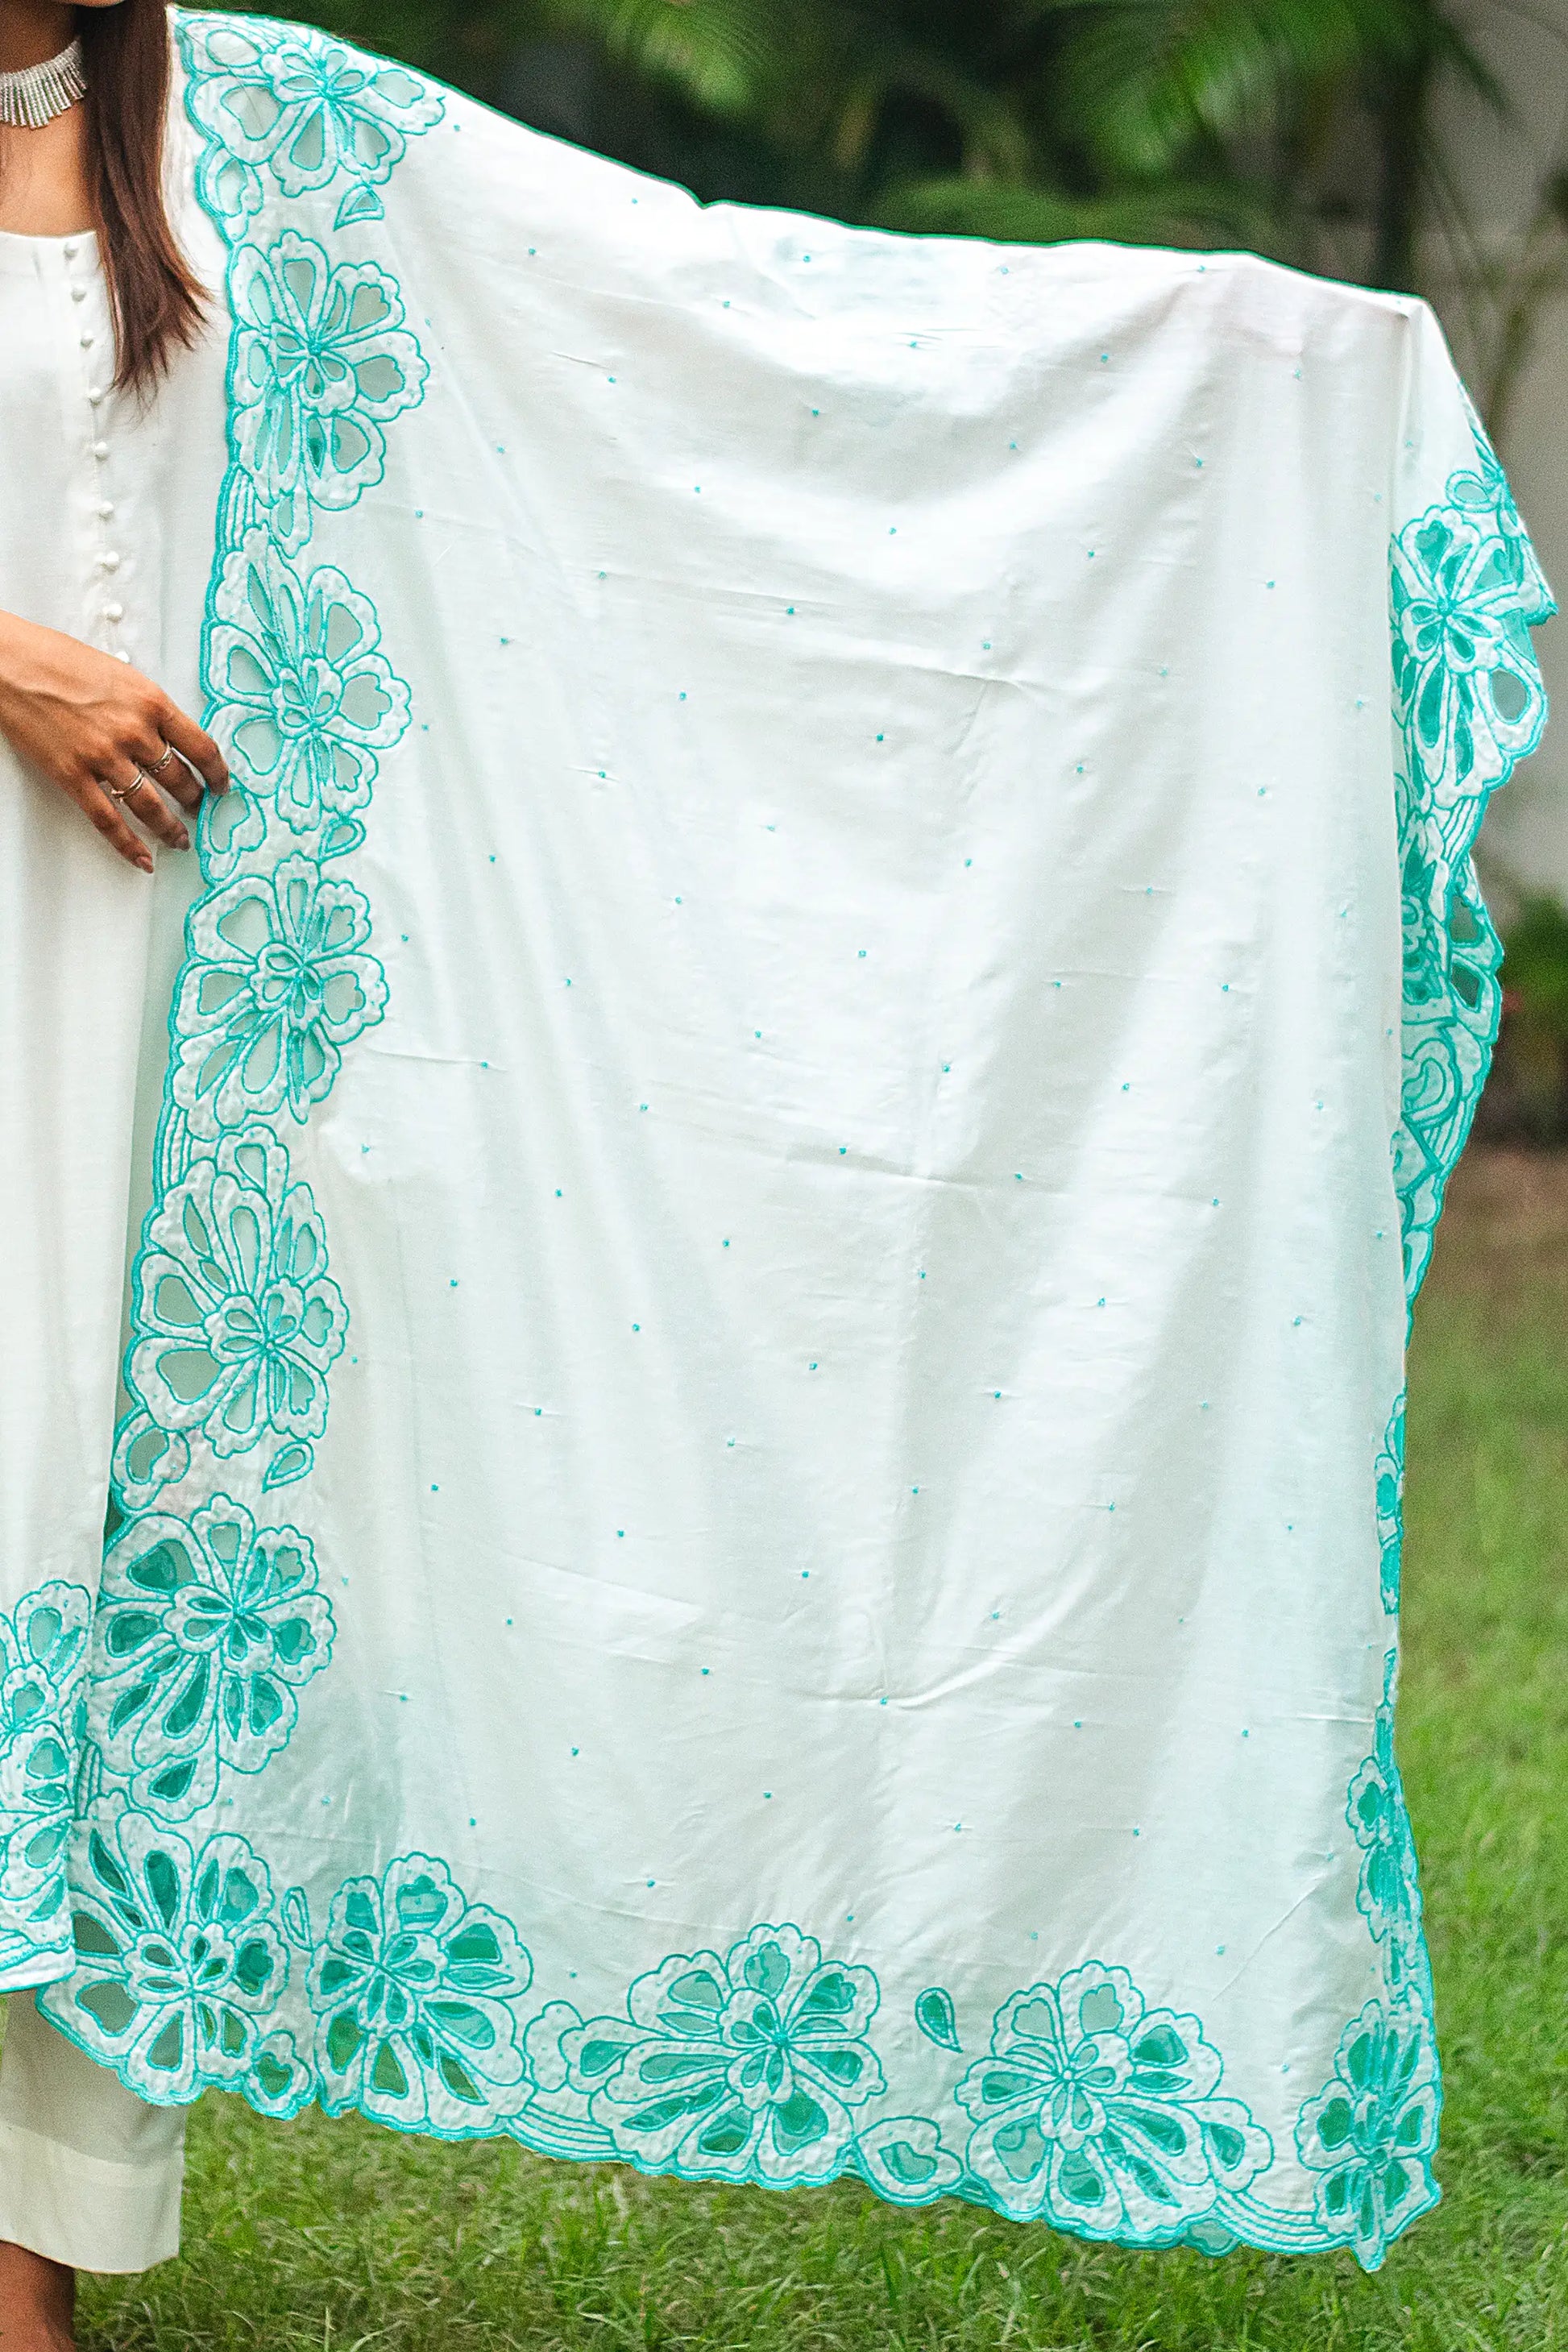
[(339, 2236)]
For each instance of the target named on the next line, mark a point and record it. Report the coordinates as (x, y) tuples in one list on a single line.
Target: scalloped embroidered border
[(561, 2084)]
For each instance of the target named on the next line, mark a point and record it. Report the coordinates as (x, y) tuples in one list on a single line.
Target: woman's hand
[(90, 723)]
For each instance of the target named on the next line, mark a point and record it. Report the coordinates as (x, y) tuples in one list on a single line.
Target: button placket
[(106, 558)]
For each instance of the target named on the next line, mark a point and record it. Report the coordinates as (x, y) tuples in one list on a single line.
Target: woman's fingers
[(193, 743), (171, 775), (132, 790), (104, 813), (100, 731)]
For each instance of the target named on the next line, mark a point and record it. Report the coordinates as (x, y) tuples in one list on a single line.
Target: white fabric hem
[(85, 2211)]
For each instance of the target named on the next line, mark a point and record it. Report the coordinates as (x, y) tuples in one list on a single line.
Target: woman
[(757, 1483), (113, 422)]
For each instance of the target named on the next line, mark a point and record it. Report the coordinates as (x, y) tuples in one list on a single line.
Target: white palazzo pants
[(89, 2174)]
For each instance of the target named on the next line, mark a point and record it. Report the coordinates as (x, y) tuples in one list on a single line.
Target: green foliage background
[(1271, 123)]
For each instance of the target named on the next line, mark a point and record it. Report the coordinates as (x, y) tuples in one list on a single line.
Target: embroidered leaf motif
[(902, 2158), (146, 1460), (361, 203), (295, 1913), (936, 2017), (291, 1462)]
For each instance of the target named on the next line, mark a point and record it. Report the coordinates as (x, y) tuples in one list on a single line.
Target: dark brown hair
[(156, 298)]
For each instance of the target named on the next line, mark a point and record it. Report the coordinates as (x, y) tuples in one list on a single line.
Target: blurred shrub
[(1526, 1100)]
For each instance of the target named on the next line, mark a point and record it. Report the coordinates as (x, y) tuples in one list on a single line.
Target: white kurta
[(760, 1454), (107, 517)]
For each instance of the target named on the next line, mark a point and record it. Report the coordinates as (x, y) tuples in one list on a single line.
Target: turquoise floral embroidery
[(413, 1987), (745, 2068), (555, 2119), (300, 107), (1099, 2115), (280, 979), (1389, 1891), (302, 693), (240, 1317), (322, 363), (937, 2018), (1426, 977), (1370, 2134), (1465, 590), (903, 2159), (146, 1460), (1091, 2108), (179, 1962), (43, 1675), (205, 1632), (1389, 1493)]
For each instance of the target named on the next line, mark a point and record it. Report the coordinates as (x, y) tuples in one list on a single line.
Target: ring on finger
[(123, 792), (159, 765)]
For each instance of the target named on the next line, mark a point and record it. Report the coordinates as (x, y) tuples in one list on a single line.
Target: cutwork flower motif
[(1389, 1491), (205, 1632), (278, 981), (237, 1319), (179, 1962), (413, 1989), (1463, 592), (322, 363), (301, 692), (745, 2068), (1389, 1893), (300, 105), (1370, 2134), (43, 1675), (1099, 2115), (1465, 589), (1425, 963)]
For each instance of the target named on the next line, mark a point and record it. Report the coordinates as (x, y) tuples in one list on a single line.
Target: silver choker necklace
[(36, 94)]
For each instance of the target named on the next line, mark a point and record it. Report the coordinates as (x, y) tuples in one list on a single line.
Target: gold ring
[(123, 792), (158, 766)]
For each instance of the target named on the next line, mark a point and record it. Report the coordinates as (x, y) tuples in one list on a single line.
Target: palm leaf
[(1149, 78), (815, 72), (1196, 213), (719, 54)]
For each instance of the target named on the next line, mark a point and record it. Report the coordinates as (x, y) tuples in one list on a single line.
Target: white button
[(78, 293), (114, 612), (101, 449), (71, 251), (105, 508), (109, 561), (88, 342), (94, 394)]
